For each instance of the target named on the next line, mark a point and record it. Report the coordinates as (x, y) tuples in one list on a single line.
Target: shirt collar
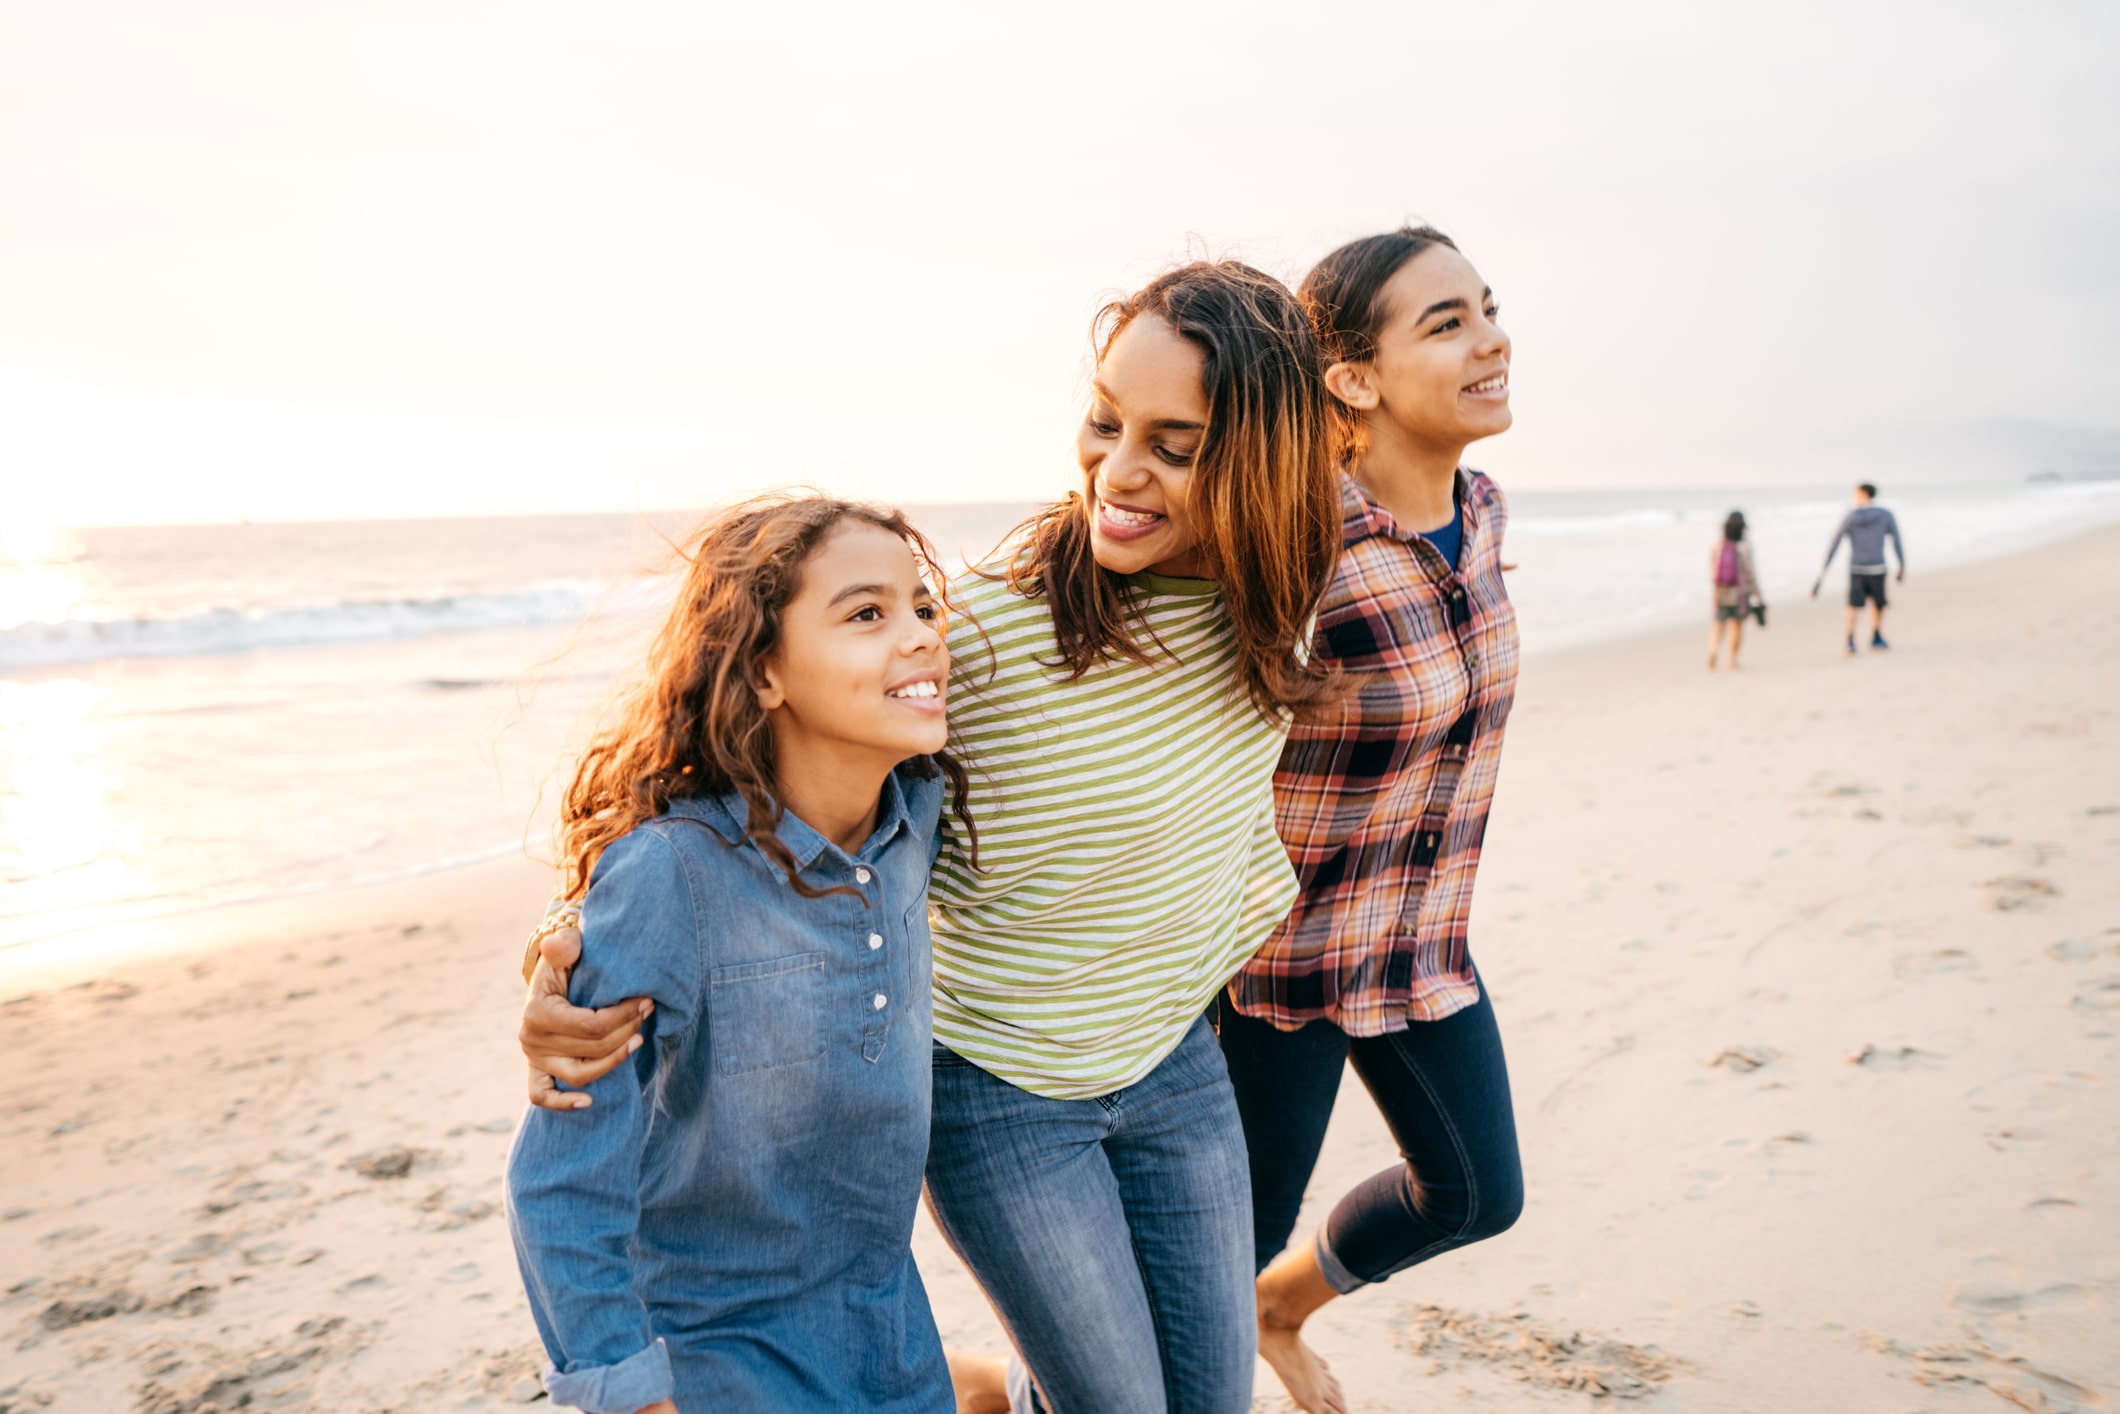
[(1362, 517), (728, 809)]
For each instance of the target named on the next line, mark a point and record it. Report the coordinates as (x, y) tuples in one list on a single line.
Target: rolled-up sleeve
[(633, 1383), (574, 1176)]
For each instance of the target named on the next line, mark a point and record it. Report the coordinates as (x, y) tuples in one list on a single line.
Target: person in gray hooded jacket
[(1865, 528)]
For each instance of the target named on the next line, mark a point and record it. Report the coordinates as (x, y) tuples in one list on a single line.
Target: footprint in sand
[(1913, 966), (2002, 1298), (199, 1248), (1537, 1354), (229, 1195), (90, 1304), (275, 1374), (1973, 1364), (105, 989), (396, 1161), (2035, 1092), (1743, 1060), (67, 1234), (1871, 1057), (2015, 891), (2100, 994), (515, 1374)]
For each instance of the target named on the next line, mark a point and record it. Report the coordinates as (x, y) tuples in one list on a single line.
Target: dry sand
[(1810, 977)]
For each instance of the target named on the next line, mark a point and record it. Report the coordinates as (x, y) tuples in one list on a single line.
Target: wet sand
[(1809, 974)]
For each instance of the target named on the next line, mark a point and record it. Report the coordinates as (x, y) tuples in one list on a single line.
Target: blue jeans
[(1444, 1091), (1112, 1235)]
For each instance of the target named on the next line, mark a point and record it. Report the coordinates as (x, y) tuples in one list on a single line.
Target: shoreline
[(152, 933)]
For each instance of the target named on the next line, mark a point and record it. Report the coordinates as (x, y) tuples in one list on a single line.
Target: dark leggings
[(1444, 1091)]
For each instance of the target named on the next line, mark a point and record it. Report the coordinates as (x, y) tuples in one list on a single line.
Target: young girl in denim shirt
[(727, 1225)]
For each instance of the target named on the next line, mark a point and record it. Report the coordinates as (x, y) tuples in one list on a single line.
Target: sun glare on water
[(55, 790), (57, 830), (38, 579)]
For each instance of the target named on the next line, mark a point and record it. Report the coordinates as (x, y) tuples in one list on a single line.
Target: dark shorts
[(1731, 611), (1865, 589)]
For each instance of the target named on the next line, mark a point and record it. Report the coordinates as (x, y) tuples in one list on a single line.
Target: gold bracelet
[(557, 916)]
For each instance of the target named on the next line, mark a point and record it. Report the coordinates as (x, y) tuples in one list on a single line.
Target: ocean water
[(191, 716)]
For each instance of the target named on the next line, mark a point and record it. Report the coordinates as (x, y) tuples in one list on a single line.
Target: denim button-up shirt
[(729, 1225)]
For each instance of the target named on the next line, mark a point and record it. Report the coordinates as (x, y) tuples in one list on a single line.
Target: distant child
[(1736, 586), (1865, 528), (725, 1222)]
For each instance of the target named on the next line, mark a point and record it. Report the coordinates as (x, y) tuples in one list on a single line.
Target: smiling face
[(861, 671), (1440, 375), (1147, 418)]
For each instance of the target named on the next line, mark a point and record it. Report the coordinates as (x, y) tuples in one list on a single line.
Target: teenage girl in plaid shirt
[(1382, 802)]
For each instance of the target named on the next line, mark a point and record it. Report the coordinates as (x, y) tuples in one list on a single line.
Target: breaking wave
[(224, 629)]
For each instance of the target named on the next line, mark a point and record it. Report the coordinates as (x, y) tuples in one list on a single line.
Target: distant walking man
[(1865, 528)]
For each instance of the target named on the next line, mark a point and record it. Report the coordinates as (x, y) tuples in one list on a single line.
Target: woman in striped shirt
[(1120, 693), (1382, 799)]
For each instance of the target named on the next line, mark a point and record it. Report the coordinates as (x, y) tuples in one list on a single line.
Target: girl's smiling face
[(1441, 368), (860, 668), (1147, 417)]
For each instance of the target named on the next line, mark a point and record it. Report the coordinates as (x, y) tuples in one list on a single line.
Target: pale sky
[(389, 258)]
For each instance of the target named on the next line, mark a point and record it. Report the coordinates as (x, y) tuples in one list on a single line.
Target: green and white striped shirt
[(1128, 860)]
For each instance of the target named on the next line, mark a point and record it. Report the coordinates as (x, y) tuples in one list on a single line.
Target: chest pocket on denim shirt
[(768, 1014)]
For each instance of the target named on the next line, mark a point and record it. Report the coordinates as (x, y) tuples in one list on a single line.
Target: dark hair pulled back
[(1344, 293)]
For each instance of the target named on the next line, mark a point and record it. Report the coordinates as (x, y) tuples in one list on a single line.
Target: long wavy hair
[(692, 725), (1264, 491), (1345, 295)]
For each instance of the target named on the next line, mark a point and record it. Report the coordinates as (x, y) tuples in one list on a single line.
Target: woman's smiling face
[(1147, 418), (1441, 370)]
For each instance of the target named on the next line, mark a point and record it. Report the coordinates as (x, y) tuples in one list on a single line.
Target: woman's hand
[(660, 1406), (570, 1043)]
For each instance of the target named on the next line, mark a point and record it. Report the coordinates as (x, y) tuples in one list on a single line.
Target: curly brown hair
[(692, 726), (1265, 493)]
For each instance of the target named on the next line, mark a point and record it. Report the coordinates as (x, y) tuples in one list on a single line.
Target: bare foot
[(1309, 1383), (980, 1382)]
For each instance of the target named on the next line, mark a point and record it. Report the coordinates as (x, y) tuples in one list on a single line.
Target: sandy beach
[(1809, 973)]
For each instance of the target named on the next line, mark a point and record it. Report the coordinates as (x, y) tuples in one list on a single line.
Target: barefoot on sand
[(1309, 1383)]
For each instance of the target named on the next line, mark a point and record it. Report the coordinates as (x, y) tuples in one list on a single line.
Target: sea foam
[(225, 629)]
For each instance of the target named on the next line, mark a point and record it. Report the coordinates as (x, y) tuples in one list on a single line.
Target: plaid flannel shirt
[(1382, 798)]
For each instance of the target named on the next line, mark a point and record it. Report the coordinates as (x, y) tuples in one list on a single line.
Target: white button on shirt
[(875, 941), (861, 876), (882, 1001)]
